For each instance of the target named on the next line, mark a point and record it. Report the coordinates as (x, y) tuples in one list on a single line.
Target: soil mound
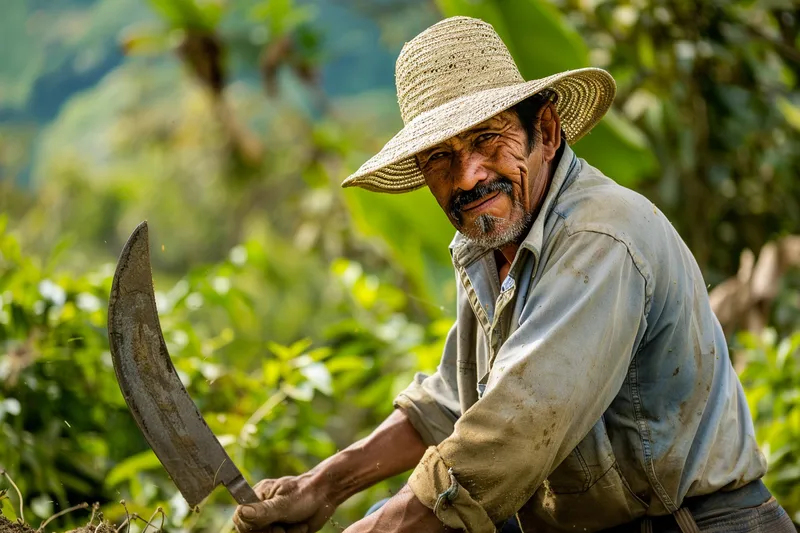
[(7, 526)]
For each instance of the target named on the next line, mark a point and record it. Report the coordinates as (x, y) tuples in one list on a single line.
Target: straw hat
[(457, 74)]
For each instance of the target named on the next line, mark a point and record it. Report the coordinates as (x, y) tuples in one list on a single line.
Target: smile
[(484, 202)]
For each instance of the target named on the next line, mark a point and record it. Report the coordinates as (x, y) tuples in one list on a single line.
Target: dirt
[(104, 527), (7, 526)]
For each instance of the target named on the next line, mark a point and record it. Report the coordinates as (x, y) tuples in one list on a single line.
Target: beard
[(487, 230), (494, 232)]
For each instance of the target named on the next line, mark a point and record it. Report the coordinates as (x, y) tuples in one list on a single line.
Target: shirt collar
[(466, 252)]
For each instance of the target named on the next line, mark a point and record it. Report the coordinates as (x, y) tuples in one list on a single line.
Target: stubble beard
[(483, 231)]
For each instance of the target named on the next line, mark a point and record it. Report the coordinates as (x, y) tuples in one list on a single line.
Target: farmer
[(586, 384)]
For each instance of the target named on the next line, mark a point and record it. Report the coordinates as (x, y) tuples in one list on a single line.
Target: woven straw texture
[(457, 74)]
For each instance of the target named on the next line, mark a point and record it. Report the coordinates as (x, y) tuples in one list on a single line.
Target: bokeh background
[(295, 311)]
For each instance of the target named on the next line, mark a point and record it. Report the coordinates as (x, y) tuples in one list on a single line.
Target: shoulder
[(593, 202)]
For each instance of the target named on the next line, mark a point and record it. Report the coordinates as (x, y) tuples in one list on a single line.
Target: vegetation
[(294, 311)]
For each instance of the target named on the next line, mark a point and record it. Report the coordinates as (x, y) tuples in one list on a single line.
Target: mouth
[(481, 203)]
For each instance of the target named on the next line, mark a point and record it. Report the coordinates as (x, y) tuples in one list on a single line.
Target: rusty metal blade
[(163, 410)]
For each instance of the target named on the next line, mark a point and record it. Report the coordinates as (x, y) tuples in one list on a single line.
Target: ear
[(550, 125)]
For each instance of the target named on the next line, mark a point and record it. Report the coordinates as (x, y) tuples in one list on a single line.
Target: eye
[(436, 156), (483, 137)]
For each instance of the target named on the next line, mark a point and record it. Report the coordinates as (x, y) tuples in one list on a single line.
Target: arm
[(425, 414), (393, 448), (303, 503)]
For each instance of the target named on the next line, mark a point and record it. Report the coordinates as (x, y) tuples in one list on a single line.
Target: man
[(585, 385)]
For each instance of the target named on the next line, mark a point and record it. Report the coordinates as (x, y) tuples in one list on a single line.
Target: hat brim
[(584, 96)]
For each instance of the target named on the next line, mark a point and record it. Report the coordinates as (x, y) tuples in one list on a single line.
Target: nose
[(468, 170)]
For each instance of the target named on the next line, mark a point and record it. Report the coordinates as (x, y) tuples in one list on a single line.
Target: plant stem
[(21, 517), (83, 505), (152, 516), (127, 518), (95, 507)]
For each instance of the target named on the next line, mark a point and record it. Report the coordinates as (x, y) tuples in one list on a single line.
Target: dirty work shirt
[(593, 387)]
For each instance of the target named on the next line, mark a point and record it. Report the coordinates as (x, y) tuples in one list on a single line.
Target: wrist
[(337, 478)]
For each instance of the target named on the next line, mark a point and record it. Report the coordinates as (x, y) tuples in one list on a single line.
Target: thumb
[(248, 512), (263, 513)]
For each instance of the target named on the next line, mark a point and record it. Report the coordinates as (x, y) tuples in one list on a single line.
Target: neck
[(506, 254)]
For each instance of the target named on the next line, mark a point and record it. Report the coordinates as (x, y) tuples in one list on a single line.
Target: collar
[(465, 252)]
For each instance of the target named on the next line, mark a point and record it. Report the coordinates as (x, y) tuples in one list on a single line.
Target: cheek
[(441, 192), (510, 160)]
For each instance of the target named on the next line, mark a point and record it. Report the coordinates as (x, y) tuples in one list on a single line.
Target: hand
[(296, 504), (404, 513)]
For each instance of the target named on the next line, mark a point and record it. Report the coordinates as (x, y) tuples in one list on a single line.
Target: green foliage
[(278, 409), (712, 85), (771, 378)]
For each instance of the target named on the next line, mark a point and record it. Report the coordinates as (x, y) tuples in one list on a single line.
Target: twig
[(194, 517), (152, 516), (127, 518), (95, 507), (21, 517), (83, 505), (163, 518), (214, 483)]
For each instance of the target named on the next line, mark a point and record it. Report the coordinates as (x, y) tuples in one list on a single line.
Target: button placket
[(495, 337)]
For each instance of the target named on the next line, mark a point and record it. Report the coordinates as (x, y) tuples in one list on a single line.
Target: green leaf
[(417, 233), (302, 392), (7, 509), (344, 363), (130, 467), (790, 112), (319, 376)]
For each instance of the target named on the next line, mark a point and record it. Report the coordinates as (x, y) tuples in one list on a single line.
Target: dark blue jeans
[(509, 527)]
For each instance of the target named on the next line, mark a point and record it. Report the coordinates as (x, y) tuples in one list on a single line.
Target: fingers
[(265, 489), (259, 516)]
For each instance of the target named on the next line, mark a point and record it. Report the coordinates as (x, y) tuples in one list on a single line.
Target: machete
[(163, 410)]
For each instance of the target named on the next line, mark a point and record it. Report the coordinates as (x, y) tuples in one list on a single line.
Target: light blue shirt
[(594, 386)]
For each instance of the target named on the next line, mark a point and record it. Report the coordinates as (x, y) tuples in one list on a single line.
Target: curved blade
[(163, 410)]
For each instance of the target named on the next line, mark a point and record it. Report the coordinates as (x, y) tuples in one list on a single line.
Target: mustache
[(480, 191)]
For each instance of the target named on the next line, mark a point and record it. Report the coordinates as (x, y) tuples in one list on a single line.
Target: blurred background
[(294, 311)]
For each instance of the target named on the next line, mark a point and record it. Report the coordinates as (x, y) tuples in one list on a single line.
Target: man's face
[(488, 180)]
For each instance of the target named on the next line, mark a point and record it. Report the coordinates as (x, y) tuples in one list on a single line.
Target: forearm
[(393, 448)]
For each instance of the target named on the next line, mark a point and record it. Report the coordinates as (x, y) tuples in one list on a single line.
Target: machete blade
[(163, 410)]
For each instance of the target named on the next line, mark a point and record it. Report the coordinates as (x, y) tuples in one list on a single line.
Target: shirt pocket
[(586, 492)]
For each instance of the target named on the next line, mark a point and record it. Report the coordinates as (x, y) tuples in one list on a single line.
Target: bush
[(771, 378), (277, 409)]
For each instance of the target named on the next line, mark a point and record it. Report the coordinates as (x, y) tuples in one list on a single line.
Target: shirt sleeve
[(551, 381), (431, 402)]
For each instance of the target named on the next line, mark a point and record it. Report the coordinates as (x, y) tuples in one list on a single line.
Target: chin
[(493, 232), (495, 238)]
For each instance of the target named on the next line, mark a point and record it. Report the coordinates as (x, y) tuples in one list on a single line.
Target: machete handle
[(241, 491)]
